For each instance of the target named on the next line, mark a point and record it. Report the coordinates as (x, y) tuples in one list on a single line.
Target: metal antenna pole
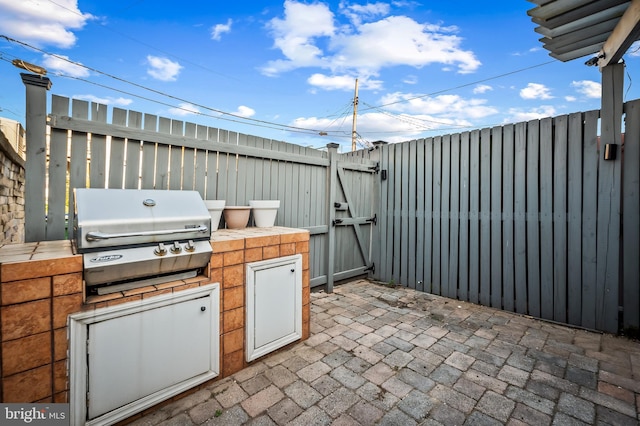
[(354, 133)]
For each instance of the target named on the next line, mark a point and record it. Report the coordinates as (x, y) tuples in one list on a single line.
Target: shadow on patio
[(394, 356)]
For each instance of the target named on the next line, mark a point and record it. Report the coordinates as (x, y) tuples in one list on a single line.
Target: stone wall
[(11, 194)]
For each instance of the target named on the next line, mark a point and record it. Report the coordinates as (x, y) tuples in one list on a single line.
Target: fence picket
[(454, 218), (57, 174), (574, 212), (496, 218), (508, 209), (116, 152), (132, 171), (547, 299), (520, 218), (485, 217), (533, 217), (559, 230)]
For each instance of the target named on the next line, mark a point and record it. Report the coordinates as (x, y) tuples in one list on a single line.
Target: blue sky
[(286, 70)]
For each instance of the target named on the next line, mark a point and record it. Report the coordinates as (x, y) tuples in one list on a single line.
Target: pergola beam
[(624, 34)]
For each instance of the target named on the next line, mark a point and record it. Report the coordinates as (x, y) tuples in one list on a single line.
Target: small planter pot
[(264, 212), (215, 208), (236, 217)]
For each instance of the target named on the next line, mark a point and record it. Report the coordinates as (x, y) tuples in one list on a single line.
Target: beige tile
[(25, 319), (26, 353), (25, 290)]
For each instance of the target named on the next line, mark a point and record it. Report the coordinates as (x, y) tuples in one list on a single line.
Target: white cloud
[(245, 111), (517, 115), (588, 88), (450, 106), (342, 82), (535, 91), (410, 79), (219, 29), (42, 22), (634, 49), (482, 88), (109, 100), (185, 109), (357, 12), (163, 69), (308, 37), (570, 98), (61, 64)]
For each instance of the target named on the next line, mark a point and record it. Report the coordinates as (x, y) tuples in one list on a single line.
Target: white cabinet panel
[(274, 304), (129, 357), (136, 355)]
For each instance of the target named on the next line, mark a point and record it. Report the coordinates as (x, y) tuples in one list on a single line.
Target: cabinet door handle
[(293, 270), (203, 308)]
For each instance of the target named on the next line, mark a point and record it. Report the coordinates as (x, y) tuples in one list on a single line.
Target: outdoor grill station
[(143, 278)]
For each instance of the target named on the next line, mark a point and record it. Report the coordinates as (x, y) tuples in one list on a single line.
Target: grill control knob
[(175, 248), (160, 250), (190, 247)]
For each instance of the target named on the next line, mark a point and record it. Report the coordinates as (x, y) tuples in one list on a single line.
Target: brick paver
[(381, 355)]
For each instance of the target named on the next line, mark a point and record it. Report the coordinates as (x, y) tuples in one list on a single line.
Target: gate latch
[(375, 168), (374, 219), (337, 222), (371, 268)]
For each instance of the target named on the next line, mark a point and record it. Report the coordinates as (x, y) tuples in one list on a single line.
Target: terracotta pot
[(236, 217)]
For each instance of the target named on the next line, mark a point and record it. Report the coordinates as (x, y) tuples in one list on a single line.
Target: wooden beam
[(624, 34)]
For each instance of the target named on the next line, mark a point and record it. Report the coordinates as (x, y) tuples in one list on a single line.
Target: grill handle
[(96, 236)]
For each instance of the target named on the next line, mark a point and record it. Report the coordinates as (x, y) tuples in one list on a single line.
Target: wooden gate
[(353, 198)]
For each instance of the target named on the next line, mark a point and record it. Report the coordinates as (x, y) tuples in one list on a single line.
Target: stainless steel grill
[(130, 238)]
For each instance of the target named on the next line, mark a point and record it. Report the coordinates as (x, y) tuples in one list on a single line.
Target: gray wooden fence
[(143, 151), (525, 217), (516, 217)]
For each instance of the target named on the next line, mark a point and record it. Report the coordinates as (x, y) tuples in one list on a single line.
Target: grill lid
[(124, 217)]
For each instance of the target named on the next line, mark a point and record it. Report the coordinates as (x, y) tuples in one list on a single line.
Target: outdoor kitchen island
[(41, 285)]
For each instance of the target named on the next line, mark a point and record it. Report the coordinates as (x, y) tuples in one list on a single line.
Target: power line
[(466, 84), (176, 98)]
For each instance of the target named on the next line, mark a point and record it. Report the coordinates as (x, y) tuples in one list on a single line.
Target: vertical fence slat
[(149, 149), (546, 218), (162, 156), (437, 212), (98, 148), (533, 217), (397, 216), (200, 164), (383, 228), (403, 243), (444, 215), (463, 286), (176, 157), (496, 217), (519, 218), (508, 209), (79, 153), (574, 215), (589, 218), (132, 172), (412, 281), (630, 215), (454, 217), (485, 217), (420, 214), (474, 216), (116, 153), (57, 174), (560, 219), (428, 211)]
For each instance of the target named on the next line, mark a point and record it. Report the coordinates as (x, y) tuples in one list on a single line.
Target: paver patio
[(393, 356)]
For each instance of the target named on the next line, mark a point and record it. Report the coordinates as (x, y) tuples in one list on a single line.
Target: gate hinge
[(374, 219), (337, 222), (371, 268), (375, 168)]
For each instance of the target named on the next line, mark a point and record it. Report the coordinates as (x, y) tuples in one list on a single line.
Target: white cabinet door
[(274, 304), (129, 357), (136, 355)]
